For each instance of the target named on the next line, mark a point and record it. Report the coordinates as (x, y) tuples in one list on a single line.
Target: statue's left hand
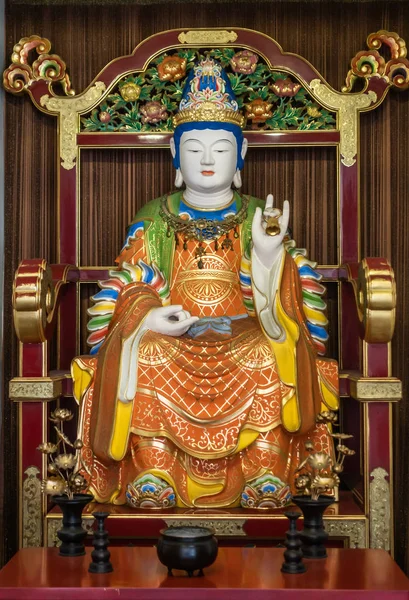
[(267, 247)]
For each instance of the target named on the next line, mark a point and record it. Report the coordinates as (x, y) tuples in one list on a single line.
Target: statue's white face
[(208, 159)]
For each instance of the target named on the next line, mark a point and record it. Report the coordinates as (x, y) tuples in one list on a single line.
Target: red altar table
[(239, 573)]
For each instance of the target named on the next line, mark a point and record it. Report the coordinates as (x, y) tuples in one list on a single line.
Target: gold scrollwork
[(35, 296), (18, 77), (32, 520), (348, 107), (68, 110), (207, 37), (221, 527), (370, 64), (379, 510), (53, 525), (355, 530), (33, 300), (375, 292)]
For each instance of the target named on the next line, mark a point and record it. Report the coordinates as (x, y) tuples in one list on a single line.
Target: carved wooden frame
[(367, 287)]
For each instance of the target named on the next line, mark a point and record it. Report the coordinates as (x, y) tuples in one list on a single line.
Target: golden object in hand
[(272, 226)]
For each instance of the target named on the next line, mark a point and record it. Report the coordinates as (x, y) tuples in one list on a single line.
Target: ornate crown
[(208, 97)]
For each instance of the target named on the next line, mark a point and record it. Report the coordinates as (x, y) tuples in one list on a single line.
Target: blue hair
[(234, 129)]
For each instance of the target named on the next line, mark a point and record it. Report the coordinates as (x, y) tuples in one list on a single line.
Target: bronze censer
[(187, 548)]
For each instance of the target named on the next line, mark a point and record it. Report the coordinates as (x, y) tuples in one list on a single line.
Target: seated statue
[(205, 377)]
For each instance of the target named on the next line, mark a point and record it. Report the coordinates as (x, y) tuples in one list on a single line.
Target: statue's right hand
[(170, 320)]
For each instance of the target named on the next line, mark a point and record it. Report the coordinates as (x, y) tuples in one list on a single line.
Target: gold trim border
[(380, 510), (31, 509), (221, 527), (210, 36), (354, 531)]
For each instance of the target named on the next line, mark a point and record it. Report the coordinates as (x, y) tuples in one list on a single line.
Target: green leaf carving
[(288, 112)]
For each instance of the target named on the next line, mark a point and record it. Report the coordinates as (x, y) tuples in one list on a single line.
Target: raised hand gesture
[(268, 230)]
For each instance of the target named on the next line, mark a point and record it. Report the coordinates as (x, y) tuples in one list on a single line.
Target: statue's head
[(208, 146)]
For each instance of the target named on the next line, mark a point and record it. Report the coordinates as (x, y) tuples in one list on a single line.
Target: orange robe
[(207, 412)]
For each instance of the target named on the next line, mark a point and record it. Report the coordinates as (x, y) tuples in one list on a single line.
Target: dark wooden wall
[(87, 37)]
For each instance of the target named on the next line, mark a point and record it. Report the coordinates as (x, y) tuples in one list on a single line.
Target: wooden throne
[(50, 301)]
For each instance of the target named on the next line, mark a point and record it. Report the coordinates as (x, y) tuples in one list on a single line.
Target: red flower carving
[(104, 116), (244, 62), (153, 112)]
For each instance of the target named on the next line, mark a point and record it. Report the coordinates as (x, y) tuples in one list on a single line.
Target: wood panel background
[(87, 37), (115, 183)]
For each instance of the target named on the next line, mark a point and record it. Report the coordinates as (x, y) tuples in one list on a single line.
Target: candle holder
[(293, 555), (100, 555)]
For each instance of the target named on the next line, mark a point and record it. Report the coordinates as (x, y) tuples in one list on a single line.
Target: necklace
[(203, 229)]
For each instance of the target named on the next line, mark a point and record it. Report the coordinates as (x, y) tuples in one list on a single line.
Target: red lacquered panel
[(32, 434), (68, 213), (349, 214), (32, 360), (379, 435), (68, 322), (262, 138), (350, 330), (377, 360)]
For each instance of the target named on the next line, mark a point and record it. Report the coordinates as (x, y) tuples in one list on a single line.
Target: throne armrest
[(37, 293), (373, 282)]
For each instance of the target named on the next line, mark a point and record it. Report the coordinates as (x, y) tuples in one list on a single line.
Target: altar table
[(238, 573)]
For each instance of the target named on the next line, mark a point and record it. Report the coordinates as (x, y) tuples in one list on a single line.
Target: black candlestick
[(293, 555), (100, 556), (313, 536)]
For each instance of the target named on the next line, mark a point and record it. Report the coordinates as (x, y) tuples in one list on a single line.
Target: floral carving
[(32, 511), (285, 88), (130, 92), (380, 510), (147, 101), (244, 62), (313, 111), (258, 111), (153, 112), (172, 68), (105, 116)]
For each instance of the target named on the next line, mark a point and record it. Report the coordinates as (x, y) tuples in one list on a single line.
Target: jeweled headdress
[(208, 97)]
